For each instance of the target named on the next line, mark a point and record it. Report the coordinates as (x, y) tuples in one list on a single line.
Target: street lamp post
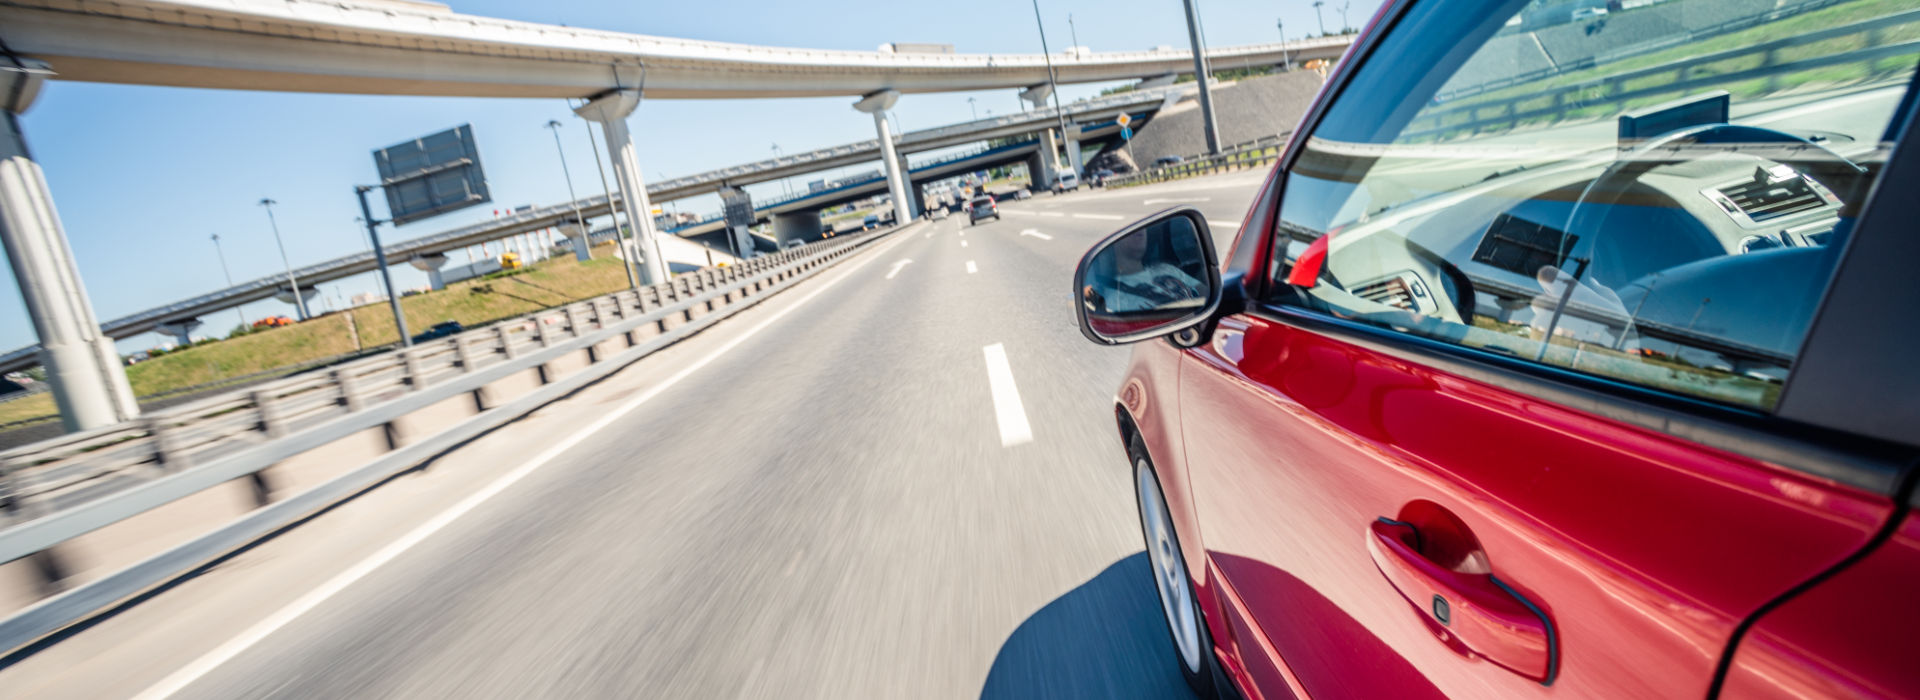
[(974, 109), (1053, 81), (785, 184), (1343, 17), (299, 302), (554, 125), (1073, 31), (1200, 75), (1316, 15), (1285, 63), (631, 252), (242, 313)]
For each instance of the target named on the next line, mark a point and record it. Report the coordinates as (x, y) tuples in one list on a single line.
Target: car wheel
[(1179, 606)]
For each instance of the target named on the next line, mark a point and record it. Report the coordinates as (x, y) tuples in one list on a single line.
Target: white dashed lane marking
[(1036, 234), (1014, 429), (970, 268)]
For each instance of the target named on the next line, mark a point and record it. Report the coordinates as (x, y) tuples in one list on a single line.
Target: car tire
[(1179, 601)]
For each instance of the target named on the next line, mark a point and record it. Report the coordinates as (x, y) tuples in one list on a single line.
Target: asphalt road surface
[(898, 480)]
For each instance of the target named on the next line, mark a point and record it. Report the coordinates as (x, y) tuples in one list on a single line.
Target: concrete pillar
[(1037, 95), (611, 109), (432, 262), (181, 330), (1049, 158), (796, 226), (1073, 150), (877, 104), (284, 296), (89, 382), (577, 235)]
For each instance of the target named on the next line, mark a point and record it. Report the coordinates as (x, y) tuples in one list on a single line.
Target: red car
[(1547, 363)]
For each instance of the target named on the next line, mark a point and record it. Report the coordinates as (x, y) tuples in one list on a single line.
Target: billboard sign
[(432, 175)]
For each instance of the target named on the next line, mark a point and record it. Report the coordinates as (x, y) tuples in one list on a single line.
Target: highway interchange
[(835, 494)]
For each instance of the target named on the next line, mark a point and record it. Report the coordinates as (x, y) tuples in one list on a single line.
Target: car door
[(1500, 418)]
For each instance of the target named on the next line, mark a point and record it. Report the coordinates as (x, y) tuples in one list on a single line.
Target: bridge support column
[(877, 104), (611, 109), (89, 383), (180, 329), (797, 226), (577, 236), (1049, 158), (1073, 150), (432, 263)]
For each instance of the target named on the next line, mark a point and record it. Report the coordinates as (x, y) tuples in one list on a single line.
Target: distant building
[(365, 298)]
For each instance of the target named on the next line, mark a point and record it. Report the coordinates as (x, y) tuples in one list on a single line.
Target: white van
[(1067, 182)]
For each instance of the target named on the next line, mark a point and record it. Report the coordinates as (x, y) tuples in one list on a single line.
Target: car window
[(1657, 194)]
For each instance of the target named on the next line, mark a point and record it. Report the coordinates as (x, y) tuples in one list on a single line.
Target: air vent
[(1763, 200), (1404, 290), (1521, 246)]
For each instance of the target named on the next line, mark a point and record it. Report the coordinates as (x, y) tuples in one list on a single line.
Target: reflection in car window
[(1151, 276), (1656, 195)]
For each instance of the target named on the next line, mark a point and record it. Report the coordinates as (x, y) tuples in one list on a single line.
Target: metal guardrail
[(59, 489), (1252, 154)]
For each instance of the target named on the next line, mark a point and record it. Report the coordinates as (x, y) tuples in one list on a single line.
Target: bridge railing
[(55, 491), (1258, 153)]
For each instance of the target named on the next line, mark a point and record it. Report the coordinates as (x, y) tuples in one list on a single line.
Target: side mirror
[(1157, 276)]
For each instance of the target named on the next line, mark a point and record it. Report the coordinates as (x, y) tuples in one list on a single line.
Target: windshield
[(1656, 193)]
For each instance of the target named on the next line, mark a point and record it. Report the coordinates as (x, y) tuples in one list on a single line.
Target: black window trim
[(1865, 463)]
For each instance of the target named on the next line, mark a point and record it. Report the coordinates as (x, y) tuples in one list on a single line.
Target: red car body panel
[(1855, 635), (1645, 551)]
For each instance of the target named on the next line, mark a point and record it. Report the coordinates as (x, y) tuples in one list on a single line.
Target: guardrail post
[(541, 332), (411, 365), (505, 335), (349, 390), (573, 321), (166, 447)]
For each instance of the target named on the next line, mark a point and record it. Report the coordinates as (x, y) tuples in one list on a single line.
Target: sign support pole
[(380, 258)]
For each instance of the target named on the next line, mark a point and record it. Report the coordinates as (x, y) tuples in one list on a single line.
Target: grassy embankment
[(473, 303)]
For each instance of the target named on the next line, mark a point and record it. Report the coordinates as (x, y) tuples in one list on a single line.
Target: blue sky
[(143, 176)]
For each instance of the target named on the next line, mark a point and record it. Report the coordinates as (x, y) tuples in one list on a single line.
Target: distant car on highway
[(1592, 422), (1067, 182), (1587, 13), (1100, 177), (937, 213), (790, 245), (982, 207), (1023, 193), (870, 223), (1164, 161), (440, 330)]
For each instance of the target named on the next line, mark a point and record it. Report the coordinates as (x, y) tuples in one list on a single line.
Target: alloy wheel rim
[(1169, 569)]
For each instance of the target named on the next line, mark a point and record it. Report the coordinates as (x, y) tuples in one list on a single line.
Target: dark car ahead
[(439, 330), (982, 207), (1594, 380), (1164, 161), (1100, 177), (870, 223)]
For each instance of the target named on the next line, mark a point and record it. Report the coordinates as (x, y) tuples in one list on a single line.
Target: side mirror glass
[(1154, 277)]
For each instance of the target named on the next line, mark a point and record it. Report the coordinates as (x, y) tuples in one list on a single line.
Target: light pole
[(242, 313), (554, 125), (974, 109), (1072, 31), (1285, 63), (299, 302), (1343, 17), (785, 184), (1200, 76), (1316, 14), (1053, 81)]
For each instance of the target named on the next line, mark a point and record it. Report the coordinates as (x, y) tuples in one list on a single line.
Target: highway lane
[(831, 508)]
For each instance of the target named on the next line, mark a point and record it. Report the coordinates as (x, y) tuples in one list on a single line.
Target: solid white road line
[(1036, 234), (1235, 225), (1178, 199), (963, 244), (1051, 213), (1014, 429), (260, 630), (896, 268), (1110, 217), (970, 268)]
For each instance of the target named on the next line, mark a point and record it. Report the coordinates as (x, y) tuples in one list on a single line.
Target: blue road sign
[(1126, 133)]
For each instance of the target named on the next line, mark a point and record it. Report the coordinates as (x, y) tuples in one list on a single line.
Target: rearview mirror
[(1154, 277)]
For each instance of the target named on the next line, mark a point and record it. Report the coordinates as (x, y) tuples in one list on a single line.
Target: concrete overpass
[(400, 47), (416, 48)]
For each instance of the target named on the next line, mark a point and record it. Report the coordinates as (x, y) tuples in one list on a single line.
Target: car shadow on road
[(1104, 639)]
